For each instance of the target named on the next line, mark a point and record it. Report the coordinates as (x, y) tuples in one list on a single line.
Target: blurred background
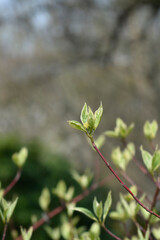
[(57, 54)]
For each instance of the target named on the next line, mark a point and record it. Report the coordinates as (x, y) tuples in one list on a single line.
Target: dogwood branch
[(121, 182), (78, 198), (13, 182)]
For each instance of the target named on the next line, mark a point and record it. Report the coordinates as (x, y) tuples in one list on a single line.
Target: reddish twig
[(153, 204), (133, 183), (140, 166), (59, 209), (121, 182), (141, 228), (4, 231), (110, 233), (13, 182), (152, 145)]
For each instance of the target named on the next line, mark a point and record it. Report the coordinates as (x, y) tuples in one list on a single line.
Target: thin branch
[(4, 231), (152, 145), (59, 209), (121, 182), (133, 183), (140, 166), (13, 182), (110, 233), (141, 228), (153, 204)]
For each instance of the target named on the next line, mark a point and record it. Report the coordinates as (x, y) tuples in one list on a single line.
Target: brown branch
[(110, 233), (13, 182), (59, 209), (121, 182), (153, 204), (4, 231), (133, 183)]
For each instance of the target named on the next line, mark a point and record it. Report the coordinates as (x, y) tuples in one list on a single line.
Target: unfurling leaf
[(84, 114), (100, 141), (107, 206), (156, 160), (7, 209), (156, 233), (150, 129), (26, 234), (44, 199), (147, 159), (20, 158), (77, 125), (121, 130), (98, 115), (86, 212), (98, 208), (90, 120)]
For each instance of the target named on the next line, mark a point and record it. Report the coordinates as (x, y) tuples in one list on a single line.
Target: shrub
[(139, 221)]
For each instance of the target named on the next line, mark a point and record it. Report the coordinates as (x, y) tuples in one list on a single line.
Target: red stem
[(133, 183), (4, 231), (13, 182), (110, 233), (122, 183), (59, 209), (153, 204)]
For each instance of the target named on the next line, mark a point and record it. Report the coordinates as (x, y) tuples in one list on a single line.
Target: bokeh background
[(57, 54)]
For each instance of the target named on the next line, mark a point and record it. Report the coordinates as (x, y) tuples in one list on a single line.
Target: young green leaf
[(140, 235), (98, 115), (7, 209), (95, 229), (130, 128), (2, 216), (100, 141), (134, 190), (119, 214), (53, 233), (147, 159), (60, 189), (91, 120), (125, 205), (112, 134), (20, 158), (156, 160), (77, 125), (118, 159), (70, 208), (121, 130), (150, 129), (10, 210), (131, 148), (107, 206), (84, 114), (156, 233), (97, 208), (26, 235), (95, 205), (69, 194), (44, 199), (86, 212)]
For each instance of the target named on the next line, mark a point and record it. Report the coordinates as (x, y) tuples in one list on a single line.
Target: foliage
[(130, 208)]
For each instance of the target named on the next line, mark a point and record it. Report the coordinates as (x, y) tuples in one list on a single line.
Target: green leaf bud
[(44, 199), (150, 129), (107, 206), (20, 158), (77, 125), (26, 234)]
